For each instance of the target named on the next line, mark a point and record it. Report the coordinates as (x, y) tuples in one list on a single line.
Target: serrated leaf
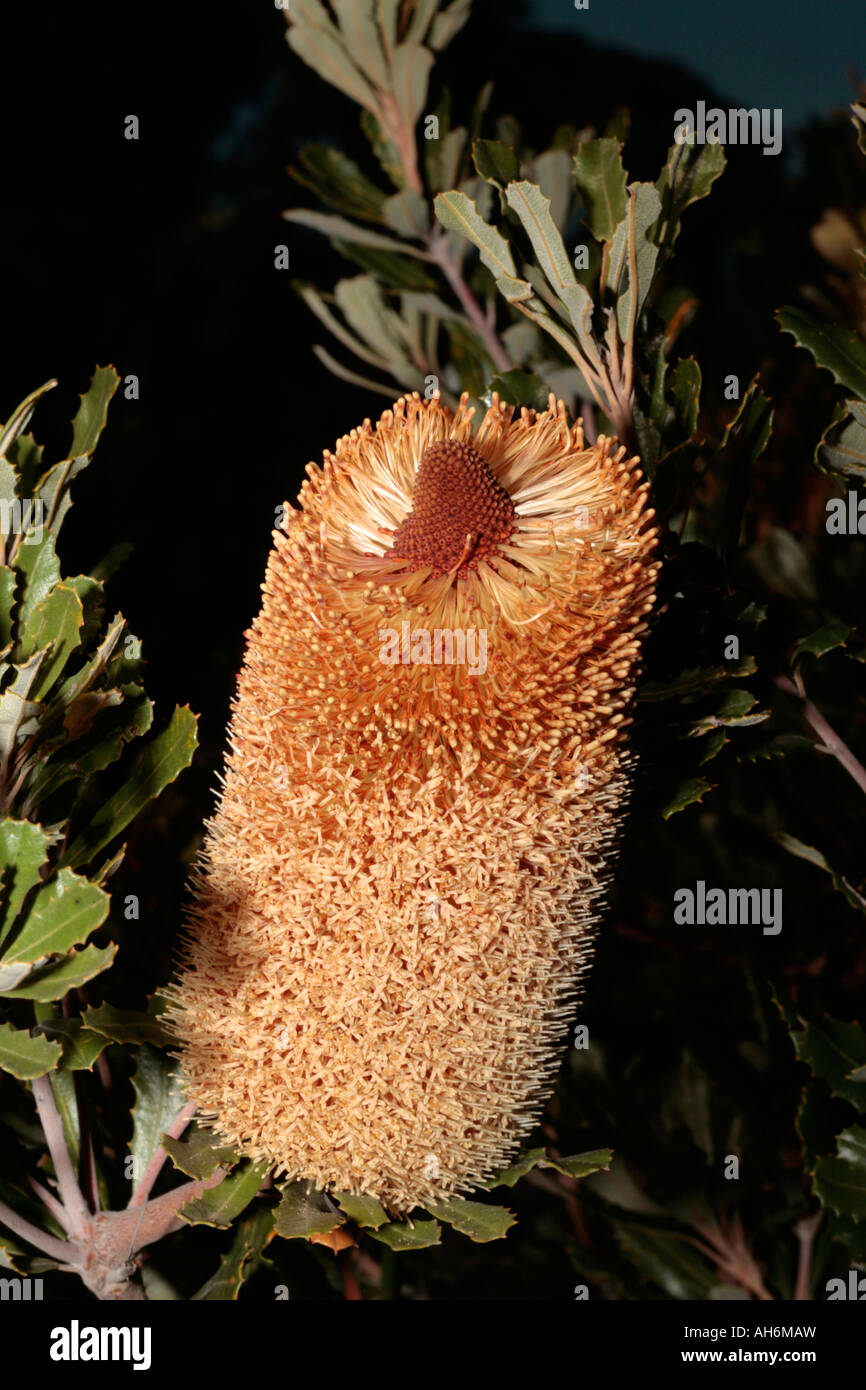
[(158, 764), (743, 444), (814, 856), (23, 853), (832, 1049), (687, 793), (24, 1056), (54, 981), (495, 162), (533, 209), (199, 1153), (40, 571), (688, 175), (130, 1025), (519, 388), (825, 639), (90, 418), (303, 1212), (839, 350), (401, 1235), (219, 1205), (601, 180), (477, 1220), (20, 417), (363, 1210), (842, 449), (633, 255), (458, 213), (62, 914), (80, 1048), (840, 1182), (251, 1238), (581, 1165), (56, 623)]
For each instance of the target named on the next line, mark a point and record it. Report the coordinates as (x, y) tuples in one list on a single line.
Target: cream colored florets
[(397, 896)]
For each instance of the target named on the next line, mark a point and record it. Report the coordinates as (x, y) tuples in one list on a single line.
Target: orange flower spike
[(399, 888)]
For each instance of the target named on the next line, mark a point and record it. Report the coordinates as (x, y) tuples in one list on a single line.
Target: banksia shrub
[(428, 769)]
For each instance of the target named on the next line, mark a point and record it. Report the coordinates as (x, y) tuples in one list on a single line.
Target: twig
[(49, 1245), (440, 253), (67, 1183), (805, 1230), (829, 740), (58, 1211)]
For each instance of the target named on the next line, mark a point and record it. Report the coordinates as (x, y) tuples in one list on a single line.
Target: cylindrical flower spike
[(398, 892)]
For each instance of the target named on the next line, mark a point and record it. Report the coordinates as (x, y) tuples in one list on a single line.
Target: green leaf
[(219, 1205), (449, 22), (410, 76), (61, 915), (581, 1165), (303, 1212), (365, 1211), (130, 1025), (533, 209), (695, 681), (252, 1236), (814, 856), (477, 1220), (53, 981), (24, 1056), (20, 417), (633, 255), (40, 569), (601, 181), (80, 1048), (732, 711), (199, 1153), (349, 231), (395, 271), (495, 162), (743, 443), (56, 623), (837, 349), (361, 37), (404, 1235), (833, 1049), (156, 766), (533, 1158), (668, 1259), (840, 1182), (459, 214), (842, 449), (8, 593), (689, 174), (324, 52), (345, 374), (339, 181), (519, 388), (23, 853), (687, 793), (158, 1100), (406, 214), (825, 639), (90, 420)]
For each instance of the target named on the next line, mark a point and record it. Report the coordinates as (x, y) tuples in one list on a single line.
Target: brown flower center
[(460, 514)]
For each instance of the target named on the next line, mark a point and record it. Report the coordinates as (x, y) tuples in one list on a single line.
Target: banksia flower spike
[(397, 897)]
